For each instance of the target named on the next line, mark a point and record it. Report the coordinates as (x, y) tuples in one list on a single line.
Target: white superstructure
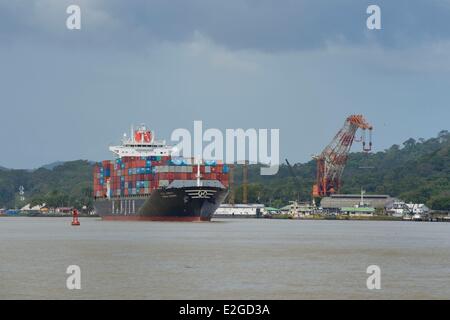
[(400, 208), (142, 143)]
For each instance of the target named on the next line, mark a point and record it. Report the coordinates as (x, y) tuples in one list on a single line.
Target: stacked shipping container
[(131, 176)]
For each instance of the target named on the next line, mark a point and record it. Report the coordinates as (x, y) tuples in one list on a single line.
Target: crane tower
[(331, 162)]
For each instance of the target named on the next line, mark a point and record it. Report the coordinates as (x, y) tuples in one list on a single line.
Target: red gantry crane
[(332, 160)]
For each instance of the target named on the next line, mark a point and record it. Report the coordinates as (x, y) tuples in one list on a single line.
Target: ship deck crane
[(331, 162)]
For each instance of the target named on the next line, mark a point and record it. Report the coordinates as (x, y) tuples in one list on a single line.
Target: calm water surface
[(224, 259)]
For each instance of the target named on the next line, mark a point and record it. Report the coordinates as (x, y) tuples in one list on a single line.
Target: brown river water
[(223, 259)]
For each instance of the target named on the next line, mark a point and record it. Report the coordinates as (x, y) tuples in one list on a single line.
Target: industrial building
[(338, 201)]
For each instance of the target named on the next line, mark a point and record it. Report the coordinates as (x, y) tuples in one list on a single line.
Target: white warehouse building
[(239, 210)]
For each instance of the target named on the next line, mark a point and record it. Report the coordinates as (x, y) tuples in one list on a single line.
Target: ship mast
[(199, 184)]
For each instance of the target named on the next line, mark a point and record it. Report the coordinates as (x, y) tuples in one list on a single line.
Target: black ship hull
[(164, 204)]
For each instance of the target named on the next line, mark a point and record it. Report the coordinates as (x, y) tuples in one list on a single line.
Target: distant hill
[(66, 184), (52, 165), (417, 171)]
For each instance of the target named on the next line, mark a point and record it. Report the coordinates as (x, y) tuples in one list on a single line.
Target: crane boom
[(331, 162)]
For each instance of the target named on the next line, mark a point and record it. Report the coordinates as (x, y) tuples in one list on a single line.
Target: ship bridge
[(141, 143)]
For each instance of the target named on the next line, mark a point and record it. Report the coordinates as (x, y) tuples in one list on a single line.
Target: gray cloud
[(265, 25), (300, 66)]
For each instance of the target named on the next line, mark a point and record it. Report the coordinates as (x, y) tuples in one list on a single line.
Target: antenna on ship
[(198, 173)]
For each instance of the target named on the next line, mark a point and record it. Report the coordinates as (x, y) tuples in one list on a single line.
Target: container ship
[(145, 182)]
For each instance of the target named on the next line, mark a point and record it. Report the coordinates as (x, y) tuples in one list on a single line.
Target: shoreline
[(281, 217)]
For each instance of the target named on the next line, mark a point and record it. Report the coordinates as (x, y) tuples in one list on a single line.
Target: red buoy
[(75, 221)]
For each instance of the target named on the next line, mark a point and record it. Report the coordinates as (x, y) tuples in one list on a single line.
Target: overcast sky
[(301, 66)]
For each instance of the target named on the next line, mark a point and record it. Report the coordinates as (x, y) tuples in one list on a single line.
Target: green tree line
[(416, 171)]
